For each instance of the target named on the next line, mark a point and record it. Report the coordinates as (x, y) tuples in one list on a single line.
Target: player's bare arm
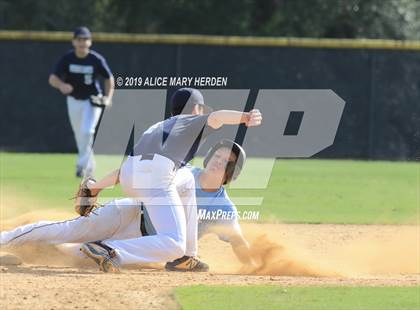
[(241, 249), (228, 117), (110, 179), (89, 189), (109, 89), (57, 83)]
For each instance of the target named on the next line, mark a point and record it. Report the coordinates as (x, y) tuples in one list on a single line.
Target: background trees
[(386, 19)]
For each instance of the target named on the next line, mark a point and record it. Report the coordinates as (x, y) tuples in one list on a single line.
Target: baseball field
[(330, 234)]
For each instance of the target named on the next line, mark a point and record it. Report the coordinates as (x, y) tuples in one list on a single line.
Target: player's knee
[(191, 180), (88, 132)]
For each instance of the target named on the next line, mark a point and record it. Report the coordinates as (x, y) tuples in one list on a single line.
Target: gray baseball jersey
[(176, 138)]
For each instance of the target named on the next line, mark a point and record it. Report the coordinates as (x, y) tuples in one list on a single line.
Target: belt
[(150, 156), (78, 98), (147, 157), (142, 224)]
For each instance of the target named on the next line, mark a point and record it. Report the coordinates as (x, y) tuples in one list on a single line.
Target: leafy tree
[(388, 19)]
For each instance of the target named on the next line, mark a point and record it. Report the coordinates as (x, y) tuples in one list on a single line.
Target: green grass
[(302, 298), (309, 191), (46, 179), (339, 191)]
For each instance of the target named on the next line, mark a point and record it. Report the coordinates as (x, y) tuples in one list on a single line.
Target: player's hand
[(86, 199), (101, 101), (65, 88), (255, 118), (249, 268), (107, 101)]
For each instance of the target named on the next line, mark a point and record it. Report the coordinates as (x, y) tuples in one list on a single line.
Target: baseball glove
[(100, 101), (85, 201)]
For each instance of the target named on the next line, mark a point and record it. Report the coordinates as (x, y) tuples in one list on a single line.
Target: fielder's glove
[(85, 201), (100, 101)]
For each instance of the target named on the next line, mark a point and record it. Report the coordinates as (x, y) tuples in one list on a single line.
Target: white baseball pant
[(84, 118), (119, 219), (154, 182)]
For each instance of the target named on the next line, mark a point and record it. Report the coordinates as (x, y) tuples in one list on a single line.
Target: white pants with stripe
[(83, 119), (155, 183), (119, 219), (175, 226)]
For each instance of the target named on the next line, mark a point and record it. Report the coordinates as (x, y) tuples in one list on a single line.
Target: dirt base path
[(69, 288), (370, 255)]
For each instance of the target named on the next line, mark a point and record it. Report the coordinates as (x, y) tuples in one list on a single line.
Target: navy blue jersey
[(176, 138), (82, 73)]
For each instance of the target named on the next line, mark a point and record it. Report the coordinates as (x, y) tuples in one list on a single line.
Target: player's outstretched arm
[(110, 179), (229, 117), (241, 249)]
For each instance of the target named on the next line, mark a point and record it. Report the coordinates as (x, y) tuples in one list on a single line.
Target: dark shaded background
[(374, 19), (381, 89)]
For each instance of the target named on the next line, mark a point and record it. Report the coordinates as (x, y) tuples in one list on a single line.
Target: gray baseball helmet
[(233, 169)]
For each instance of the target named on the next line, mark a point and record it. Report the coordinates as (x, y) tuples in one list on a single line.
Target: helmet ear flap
[(209, 154), (233, 169), (229, 172), (213, 150)]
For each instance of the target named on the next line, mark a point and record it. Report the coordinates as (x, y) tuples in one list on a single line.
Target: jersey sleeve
[(60, 67), (199, 123), (103, 68)]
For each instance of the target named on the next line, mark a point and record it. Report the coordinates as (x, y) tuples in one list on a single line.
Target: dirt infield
[(287, 255), (70, 288)]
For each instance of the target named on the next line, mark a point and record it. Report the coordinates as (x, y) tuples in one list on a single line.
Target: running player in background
[(76, 76)]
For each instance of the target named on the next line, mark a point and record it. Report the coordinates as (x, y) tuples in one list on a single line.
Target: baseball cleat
[(101, 256), (79, 173), (187, 263)]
